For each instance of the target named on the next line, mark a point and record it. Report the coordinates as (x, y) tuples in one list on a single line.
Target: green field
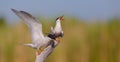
[(82, 42)]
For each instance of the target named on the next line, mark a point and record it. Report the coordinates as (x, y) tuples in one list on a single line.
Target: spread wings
[(33, 24)]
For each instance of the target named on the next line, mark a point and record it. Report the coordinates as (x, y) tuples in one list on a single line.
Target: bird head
[(60, 18)]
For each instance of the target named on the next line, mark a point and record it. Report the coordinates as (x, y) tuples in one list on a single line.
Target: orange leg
[(39, 51)]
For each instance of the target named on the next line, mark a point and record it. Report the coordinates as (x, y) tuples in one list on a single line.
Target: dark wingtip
[(13, 9), (52, 36), (52, 43)]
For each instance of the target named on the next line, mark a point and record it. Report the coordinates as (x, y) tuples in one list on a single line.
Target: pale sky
[(85, 9)]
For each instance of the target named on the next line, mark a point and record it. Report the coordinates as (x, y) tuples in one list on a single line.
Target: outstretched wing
[(33, 24)]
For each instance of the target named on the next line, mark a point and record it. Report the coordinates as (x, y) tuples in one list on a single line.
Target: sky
[(86, 9)]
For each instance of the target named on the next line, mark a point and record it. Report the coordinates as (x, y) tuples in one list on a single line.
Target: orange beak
[(61, 18)]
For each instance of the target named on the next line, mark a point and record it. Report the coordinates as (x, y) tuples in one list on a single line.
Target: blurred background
[(91, 30)]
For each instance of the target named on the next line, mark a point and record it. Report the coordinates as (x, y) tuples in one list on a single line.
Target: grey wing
[(33, 24)]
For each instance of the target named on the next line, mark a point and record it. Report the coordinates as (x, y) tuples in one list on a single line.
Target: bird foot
[(39, 51)]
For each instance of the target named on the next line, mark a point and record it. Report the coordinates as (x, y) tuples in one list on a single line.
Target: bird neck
[(58, 24)]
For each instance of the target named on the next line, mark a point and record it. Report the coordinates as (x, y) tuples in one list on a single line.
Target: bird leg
[(40, 50)]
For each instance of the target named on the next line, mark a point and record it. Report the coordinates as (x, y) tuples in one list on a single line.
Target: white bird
[(35, 27), (57, 30)]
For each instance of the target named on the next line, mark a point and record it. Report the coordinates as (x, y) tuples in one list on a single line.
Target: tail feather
[(30, 45)]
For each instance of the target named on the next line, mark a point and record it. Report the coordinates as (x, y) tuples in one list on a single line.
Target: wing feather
[(33, 24)]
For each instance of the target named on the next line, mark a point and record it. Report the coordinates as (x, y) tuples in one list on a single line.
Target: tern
[(57, 31), (35, 27)]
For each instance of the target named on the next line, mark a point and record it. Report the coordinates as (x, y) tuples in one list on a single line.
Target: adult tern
[(35, 27)]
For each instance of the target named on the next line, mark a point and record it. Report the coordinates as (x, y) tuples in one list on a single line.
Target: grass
[(82, 42)]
